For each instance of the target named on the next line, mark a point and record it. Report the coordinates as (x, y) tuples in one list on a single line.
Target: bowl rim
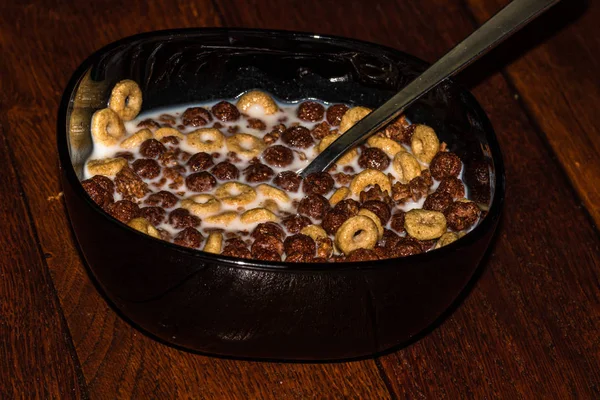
[(488, 222)]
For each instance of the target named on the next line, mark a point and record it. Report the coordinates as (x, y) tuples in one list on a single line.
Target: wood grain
[(559, 84), (117, 361), (36, 355), (517, 326)]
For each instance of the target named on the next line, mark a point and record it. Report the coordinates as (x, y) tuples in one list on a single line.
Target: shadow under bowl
[(266, 310)]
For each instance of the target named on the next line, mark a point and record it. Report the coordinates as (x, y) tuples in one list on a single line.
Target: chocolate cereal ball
[(314, 205), (200, 162), (461, 215), (268, 228), (124, 210), (300, 243), (163, 199), (335, 113), (181, 218), (348, 206), (258, 173), (266, 242), (154, 215), (445, 164), (406, 247), (397, 223), (225, 111), (196, 116), (379, 208), (333, 219), (189, 237), (298, 137), (99, 194), (310, 111), (200, 182), (318, 183), (146, 168), (295, 223), (453, 186), (437, 201), (362, 255), (373, 158), (278, 155), (225, 171), (288, 181), (152, 148)]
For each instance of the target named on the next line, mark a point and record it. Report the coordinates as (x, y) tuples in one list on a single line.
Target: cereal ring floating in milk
[(224, 219), (370, 177), (257, 98), (347, 158), (446, 239), (136, 139), (207, 140), (143, 225), (214, 242), (358, 232), (257, 215), (107, 128), (245, 145), (106, 166), (339, 195), (273, 193), (424, 143), (235, 194), (389, 146), (202, 205), (375, 218), (352, 116), (425, 224), (406, 166), (167, 131), (126, 99), (314, 232)]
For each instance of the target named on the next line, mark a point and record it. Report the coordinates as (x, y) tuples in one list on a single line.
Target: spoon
[(507, 21)]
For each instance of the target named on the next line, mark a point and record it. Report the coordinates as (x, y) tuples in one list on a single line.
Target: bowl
[(272, 310)]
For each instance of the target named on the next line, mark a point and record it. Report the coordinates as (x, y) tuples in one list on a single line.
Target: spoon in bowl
[(507, 21)]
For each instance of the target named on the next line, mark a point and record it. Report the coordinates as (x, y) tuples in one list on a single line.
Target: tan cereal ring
[(223, 219), (358, 232), (339, 195), (347, 158), (257, 215), (126, 99), (144, 226), (136, 139), (424, 143), (208, 140), (425, 224), (245, 145), (352, 116), (202, 205), (406, 166), (389, 146), (214, 242), (167, 131), (256, 97), (375, 218), (314, 232), (270, 205), (370, 177), (235, 194), (273, 193), (106, 166), (446, 239), (107, 128)]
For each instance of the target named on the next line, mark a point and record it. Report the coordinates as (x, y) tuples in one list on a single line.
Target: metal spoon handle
[(498, 28)]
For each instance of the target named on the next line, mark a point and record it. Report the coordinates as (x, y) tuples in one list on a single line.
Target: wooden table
[(529, 329)]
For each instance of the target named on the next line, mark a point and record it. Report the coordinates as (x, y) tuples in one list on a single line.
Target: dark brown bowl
[(248, 308)]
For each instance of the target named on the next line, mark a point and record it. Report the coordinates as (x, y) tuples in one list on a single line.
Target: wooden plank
[(118, 361), (37, 354), (558, 80), (529, 327)]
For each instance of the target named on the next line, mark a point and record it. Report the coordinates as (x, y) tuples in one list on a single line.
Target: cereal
[(358, 232), (106, 166), (172, 172), (425, 224), (424, 143), (256, 98), (406, 166), (142, 225), (214, 242), (352, 116), (126, 99), (107, 128), (245, 145), (202, 205), (370, 177), (207, 140), (236, 194), (136, 139)]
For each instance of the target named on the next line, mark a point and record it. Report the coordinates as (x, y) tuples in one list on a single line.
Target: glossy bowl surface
[(248, 308)]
